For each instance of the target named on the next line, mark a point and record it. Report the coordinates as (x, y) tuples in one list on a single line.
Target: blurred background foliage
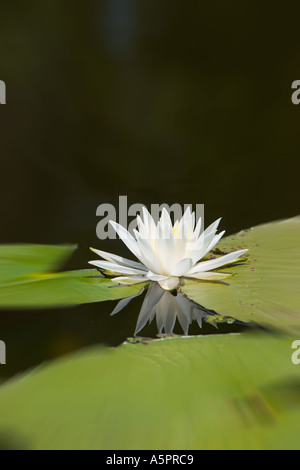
[(157, 100)]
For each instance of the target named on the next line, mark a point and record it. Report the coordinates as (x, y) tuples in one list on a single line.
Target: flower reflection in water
[(167, 308)]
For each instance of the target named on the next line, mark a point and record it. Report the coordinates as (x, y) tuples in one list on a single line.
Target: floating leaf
[(64, 290), (17, 261), (213, 392), (28, 281), (265, 288)]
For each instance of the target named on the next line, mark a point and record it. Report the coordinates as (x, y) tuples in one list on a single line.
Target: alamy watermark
[(296, 354), (127, 216), (2, 92), (2, 352), (296, 94)]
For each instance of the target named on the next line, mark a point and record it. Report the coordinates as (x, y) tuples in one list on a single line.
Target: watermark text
[(2, 352), (2, 92), (296, 94), (107, 212), (296, 354)]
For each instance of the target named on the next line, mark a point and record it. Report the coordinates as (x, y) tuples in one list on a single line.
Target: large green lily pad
[(214, 392), (264, 289)]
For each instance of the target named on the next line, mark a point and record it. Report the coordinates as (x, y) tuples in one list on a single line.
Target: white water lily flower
[(166, 252)]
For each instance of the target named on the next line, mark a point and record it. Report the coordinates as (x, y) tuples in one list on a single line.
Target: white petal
[(186, 224), (164, 253), (166, 222), (128, 239), (208, 234), (209, 276), (155, 277), (197, 229), (148, 256), (180, 251), (149, 223), (142, 229), (203, 246), (213, 227), (213, 243), (128, 281), (217, 262), (169, 283), (205, 242), (182, 267), (119, 259), (117, 268)]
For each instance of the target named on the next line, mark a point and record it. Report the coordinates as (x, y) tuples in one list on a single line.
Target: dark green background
[(161, 101)]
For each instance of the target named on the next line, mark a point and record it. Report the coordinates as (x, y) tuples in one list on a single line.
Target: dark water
[(159, 101)]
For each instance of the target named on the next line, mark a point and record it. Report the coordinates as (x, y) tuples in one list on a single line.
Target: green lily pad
[(17, 261), (28, 279), (264, 289), (213, 392), (63, 290)]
